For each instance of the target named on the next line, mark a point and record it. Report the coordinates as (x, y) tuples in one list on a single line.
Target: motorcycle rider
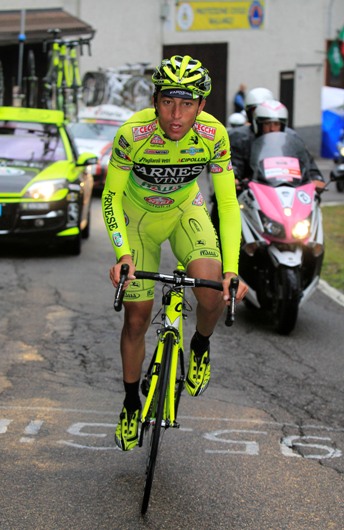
[(236, 119), (275, 116), (241, 139), (272, 116)]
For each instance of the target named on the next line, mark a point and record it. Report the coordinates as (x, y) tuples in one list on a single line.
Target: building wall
[(293, 39)]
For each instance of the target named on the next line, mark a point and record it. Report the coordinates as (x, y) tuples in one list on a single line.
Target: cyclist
[(151, 195)]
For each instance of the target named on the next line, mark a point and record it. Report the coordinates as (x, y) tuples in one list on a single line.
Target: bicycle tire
[(49, 84), (32, 81), (156, 429), (93, 88)]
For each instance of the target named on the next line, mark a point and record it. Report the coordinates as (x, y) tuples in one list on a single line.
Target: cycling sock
[(199, 343), (132, 400)]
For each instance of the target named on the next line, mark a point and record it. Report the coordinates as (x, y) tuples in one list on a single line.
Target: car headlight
[(45, 190), (341, 150), (301, 229)]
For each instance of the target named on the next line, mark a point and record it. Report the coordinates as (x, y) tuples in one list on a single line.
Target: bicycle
[(126, 86), (164, 380), (62, 87)]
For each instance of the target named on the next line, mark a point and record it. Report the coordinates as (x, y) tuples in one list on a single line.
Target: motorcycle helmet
[(236, 119), (183, 77), (255, 97), (269, 111)]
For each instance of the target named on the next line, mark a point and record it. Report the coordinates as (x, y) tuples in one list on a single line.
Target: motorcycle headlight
[(271, 227), (45, 190), (301, 229), (341, 150)]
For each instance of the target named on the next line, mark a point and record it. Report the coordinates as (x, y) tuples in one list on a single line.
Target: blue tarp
[(332, 130)]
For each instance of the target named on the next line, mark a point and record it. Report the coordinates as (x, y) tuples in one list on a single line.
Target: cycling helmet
[(183, 77), (236, 119), (269, 111)]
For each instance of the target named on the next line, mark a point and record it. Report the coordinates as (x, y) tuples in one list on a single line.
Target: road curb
[(333, 293)]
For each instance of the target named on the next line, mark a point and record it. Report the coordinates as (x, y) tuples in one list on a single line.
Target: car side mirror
[(86, 159)]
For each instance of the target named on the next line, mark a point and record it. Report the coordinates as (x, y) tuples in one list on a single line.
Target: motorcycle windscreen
[(279, 158)]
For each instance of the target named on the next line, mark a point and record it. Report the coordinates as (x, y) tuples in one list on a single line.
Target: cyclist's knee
[(211, 302), (137, 316)]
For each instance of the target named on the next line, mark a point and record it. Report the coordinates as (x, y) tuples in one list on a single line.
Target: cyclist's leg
[(136, 322), (138, 303), (195, 243), (210, 302)]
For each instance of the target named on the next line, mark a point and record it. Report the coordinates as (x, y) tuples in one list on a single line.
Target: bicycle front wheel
[(156, 429)]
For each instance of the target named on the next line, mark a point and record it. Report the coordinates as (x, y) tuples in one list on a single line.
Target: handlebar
[(177, 278), (70, 43)]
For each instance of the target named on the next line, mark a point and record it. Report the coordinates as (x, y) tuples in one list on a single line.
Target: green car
[(45, 186)]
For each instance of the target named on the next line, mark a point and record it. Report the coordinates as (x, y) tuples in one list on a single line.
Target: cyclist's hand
[(242, 288), (116, 270)]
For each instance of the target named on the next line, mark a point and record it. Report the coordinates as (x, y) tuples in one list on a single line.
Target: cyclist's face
[(177, 115)]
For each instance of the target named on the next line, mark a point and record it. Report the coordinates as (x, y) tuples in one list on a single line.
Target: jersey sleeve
[(228, 206), (119, 168)]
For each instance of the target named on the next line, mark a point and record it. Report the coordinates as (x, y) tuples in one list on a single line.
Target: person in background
[(236, 119), (268, 116), (239, 99), (272, 116), (241, 138)]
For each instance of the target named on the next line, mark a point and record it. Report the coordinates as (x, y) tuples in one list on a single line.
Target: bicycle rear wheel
[(156, 429), (93, 88), (31, 82)]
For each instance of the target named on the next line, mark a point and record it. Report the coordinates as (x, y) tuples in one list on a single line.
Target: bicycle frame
[(172, 323)]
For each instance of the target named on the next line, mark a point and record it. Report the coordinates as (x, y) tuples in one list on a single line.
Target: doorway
[(287, 94), (214, 58)]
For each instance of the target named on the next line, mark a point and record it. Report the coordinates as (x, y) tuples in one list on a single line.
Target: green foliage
[(333, 265)]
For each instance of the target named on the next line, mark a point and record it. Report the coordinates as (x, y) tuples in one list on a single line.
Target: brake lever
[(119, 294), (233, 289)]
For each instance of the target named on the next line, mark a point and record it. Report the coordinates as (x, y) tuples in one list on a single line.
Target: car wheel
[(73, 245), (340, 186)]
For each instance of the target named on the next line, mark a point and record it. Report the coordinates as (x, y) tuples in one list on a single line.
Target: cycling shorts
[(187, 227)]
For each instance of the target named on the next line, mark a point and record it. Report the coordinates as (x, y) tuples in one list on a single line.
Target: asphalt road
[(261, 449)]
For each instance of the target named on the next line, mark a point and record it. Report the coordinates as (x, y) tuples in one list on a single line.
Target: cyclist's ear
[(201, 105)]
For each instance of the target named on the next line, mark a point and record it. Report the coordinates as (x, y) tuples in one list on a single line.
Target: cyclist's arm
[(228, 207), (116, 181)]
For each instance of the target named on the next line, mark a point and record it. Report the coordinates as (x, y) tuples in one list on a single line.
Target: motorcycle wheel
[(286, 304)]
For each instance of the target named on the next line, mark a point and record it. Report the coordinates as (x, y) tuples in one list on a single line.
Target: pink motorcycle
[(282, 233)]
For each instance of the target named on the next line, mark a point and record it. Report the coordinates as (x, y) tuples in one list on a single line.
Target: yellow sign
[(198, 16)]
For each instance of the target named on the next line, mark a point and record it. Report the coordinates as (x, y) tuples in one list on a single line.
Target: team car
[(94, 131), (45, 185)]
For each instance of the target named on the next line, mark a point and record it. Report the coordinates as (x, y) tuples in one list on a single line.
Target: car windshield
[(94, 131), (30, 142)]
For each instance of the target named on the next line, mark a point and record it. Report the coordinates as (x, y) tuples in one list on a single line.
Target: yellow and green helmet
[(182, 77)]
